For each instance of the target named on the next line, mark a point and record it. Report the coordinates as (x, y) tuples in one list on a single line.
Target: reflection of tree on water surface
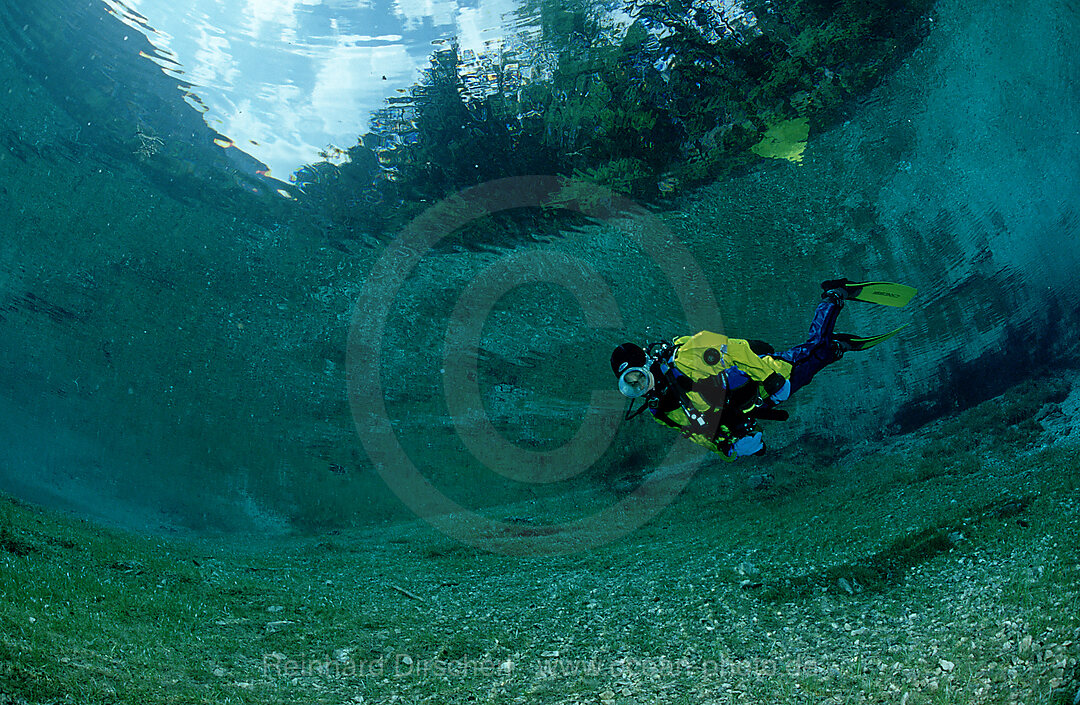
[(662, 97)]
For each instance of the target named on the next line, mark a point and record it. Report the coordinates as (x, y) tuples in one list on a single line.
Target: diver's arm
[(743, 439), (713, 390), (771, 391)]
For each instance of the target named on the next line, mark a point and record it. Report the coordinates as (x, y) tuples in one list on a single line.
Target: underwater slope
[(939, 568)]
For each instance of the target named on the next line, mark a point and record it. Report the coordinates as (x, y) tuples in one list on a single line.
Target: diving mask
[(635, 382)]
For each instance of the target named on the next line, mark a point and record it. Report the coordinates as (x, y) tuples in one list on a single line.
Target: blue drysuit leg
[(818, 351)]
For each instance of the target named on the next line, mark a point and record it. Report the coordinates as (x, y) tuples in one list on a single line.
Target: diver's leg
[(821, 328), (819, 350)]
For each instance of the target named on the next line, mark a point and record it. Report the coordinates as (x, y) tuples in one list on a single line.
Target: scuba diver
[(715, 389)]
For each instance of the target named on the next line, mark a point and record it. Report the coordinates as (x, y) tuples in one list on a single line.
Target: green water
[(186, 351), (187, 342)]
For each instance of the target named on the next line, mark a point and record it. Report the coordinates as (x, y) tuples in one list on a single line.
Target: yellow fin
[(784, 140)]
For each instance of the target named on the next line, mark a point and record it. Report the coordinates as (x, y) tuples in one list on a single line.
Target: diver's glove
[(781, 395), (747, 445), (775, 389)]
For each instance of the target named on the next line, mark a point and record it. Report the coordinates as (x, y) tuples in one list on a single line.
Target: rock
[(946, 665), (760, 482), (845, 586), (747, 568), (219, 672), (607, 696), (274, 608), (549, 654)]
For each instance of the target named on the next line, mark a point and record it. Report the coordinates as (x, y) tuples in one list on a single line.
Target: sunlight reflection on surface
[(285, 79)]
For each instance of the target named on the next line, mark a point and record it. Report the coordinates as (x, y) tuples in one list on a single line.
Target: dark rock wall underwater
[(174, 344)]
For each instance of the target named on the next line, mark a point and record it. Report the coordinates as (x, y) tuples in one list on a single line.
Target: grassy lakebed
[(940, 566)]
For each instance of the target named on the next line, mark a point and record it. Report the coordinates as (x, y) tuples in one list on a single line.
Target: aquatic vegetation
[(149, 144)]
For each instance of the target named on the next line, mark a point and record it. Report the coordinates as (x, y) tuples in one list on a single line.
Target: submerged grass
[(941, 569)]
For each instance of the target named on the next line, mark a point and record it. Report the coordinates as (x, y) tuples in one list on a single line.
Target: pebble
[(747, 568), (219, 672), (549, 654), (274, 608), (946, 665), (760, 482)]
